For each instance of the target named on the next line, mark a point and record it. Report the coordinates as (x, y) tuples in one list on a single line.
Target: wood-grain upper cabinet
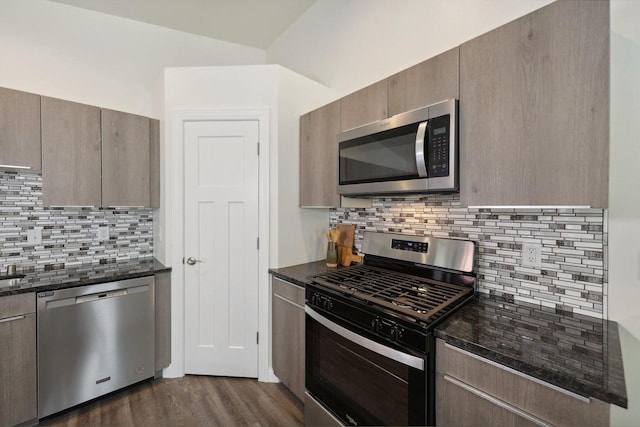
[(154, 162), (319, 157), (18, 369), (426, 83), (534, 109), (20, 129), (364, 106), (71, 154), (287, 331), (125, 159), (472, 391)]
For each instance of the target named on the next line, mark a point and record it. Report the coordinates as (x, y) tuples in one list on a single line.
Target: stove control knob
[(374, 324), (327, 304), (396, 333), (315, 299)]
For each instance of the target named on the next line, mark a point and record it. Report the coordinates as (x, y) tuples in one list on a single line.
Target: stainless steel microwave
[(412, 152)]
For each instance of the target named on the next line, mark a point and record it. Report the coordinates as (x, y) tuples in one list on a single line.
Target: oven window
[(386, 156), (360, 386)]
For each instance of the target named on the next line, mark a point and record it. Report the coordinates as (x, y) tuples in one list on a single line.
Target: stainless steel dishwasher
[(93, 340)]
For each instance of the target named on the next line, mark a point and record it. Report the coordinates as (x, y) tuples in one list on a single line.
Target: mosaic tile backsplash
[(69, 235), (573, 272)]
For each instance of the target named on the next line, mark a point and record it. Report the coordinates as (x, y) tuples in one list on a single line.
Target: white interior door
[(221, 231)]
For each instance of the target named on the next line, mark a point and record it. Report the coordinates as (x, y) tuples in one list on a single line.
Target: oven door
[(361, 381), (388, 161)]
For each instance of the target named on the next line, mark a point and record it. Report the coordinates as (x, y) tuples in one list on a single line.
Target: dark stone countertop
[(84, 274), (578, 353), (298, 274)]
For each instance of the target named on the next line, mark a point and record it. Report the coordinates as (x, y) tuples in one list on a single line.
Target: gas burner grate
[(421, 299)]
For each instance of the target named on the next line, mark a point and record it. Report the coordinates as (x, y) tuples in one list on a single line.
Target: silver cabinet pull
[(504, 405), (11, 319), (15, 167)]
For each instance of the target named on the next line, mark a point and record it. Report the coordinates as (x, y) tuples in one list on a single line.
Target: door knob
[(192, 261)]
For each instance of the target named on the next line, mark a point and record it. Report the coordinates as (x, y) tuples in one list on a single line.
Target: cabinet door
[(319, 157), (71, 163), (534, 109), (431, 81), (515, 390), (20, 129), (18, 378), (287, 335), (125, 159), (162, 321), (458, 404), (364, 106), (154, 162)]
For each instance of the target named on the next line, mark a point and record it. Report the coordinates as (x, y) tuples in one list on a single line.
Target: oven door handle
[(383, 350), (420, 149)]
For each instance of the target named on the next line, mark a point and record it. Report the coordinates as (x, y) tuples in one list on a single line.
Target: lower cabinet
[(18, 375), (287, 332), (162, 321), (473, 391)]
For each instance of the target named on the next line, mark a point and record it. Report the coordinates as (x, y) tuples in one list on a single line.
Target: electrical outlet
[(34, 236), (531, 255), (103, 233)]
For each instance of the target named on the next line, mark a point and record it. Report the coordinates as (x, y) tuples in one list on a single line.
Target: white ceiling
[(254, 23)]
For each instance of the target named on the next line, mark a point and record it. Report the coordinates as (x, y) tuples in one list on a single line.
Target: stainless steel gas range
[(369, 330)]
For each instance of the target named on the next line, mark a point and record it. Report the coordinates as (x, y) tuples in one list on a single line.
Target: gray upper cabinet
[(364, 106), (426, 83), (154, 165), (20, 129), (71, 164), (319, 157), (125, 159), (534, 109)]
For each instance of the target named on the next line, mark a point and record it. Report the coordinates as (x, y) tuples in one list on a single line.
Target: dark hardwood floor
[(189, 401)]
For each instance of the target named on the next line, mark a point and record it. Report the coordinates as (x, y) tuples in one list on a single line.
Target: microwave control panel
[(438, 147)]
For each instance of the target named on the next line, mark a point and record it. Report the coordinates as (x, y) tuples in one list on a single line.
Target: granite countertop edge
[(558, 380), (130, 270)]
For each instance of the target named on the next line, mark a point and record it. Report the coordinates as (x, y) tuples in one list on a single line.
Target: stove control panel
[(408, 245)]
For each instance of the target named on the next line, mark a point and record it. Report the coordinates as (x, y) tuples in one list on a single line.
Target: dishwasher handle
[(101, 295)]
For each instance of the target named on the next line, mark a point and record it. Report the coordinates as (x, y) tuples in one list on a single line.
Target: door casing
[(175, 217)]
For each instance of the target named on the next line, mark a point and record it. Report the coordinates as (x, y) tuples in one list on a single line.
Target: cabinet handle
[(15, 167), (481, 394), (288, 300), (11, 319), (520, 374)]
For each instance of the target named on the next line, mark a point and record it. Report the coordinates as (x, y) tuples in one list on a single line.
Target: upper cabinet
[(71, 162), (125, 159), (20, 129), (534, 109), (319, 157), (426, 83), (154, 159), (364, 106)]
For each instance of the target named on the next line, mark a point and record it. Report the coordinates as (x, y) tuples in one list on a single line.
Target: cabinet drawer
[(17, 305), (287, 290), (542, 400)]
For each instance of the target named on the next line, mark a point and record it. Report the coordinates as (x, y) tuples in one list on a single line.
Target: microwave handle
[(420, 149)]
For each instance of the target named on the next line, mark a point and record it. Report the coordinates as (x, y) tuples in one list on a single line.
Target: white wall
[(624, 199), (72, 53), (300, 231), (348, 44), (286, 95)]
